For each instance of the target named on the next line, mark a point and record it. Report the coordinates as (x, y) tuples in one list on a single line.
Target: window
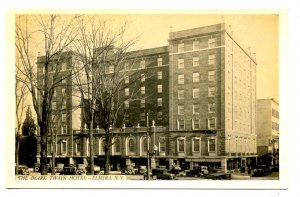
[(64, 81), (126, 79), (64, 66), (211, 91), (77, 146), (63, 129), (159, 75), (196, 144), (180, 145), (131, 145), (63, 147), (64, 104), (196, 108), (211, 59), (211, 42), (126, 91), (181, 79), (159, 115), (102, 146), (211, 123), (143, 117), (180, 47), (64, 117), (159, 102), (195, 61), (180, 94), (211, 75), (117, 145), (180, 63), (126, 104), (180, 109), (111, 69), (143, 64), (159, 61), (196, 93), (211, 107), (143, 103), (145, 145), (195, 77), (63, 91), (162, 144), (196, 44), (143, 90), (54, 93), (159, 88), (196, 124), (54, 105), (180, 125), (211, 145), (143, 78)]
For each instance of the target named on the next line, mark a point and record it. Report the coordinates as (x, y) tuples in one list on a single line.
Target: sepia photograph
[(156, 98)]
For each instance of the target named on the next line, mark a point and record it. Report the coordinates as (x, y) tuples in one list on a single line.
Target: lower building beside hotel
[(199, 94)]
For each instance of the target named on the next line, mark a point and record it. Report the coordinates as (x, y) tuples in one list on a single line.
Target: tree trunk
[(43, 166), (107, 154), (53, 153), (17, 153), (91, 144)]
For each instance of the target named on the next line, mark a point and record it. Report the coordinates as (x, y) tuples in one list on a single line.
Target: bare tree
[(102, 51), (21, 93), (41, 81)]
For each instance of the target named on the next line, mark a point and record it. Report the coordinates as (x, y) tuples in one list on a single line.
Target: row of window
[(143, 103), (275, 126), (211, 124), (196, 61), (52, 68), (143, 90), (196, 93), (196, 45), (63, 117), (196, 77), (142, 65), (143, 77), (63, 105), (131, 145)]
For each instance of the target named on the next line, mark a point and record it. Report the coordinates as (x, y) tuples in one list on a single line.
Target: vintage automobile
[(23, 170), (59, 167), (261, 170), (69, 169), (198, 171), (162, 174), (175, 170), (129, 169), (143, 170), (218, 176), (81, 169)]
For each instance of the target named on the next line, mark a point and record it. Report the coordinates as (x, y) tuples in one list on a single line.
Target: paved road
[(272, 176)]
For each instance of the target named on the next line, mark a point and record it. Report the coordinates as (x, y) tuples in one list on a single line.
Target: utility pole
[(148, 151)]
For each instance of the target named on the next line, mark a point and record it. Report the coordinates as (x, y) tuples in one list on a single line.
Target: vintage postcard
[(145, 99)]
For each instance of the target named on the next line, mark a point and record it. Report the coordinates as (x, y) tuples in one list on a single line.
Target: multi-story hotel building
[(267, 126), (199, 95)]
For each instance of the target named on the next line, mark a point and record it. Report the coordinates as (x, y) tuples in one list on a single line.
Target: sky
[(259, 32)]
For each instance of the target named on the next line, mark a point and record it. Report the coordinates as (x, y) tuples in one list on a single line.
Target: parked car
[(163, 174), (59, 168), (69, 169), (143, 170), (175, 170), (198, 171), (23, 170), (81, 169), (129, 169), (261, 170), (218, 176)]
